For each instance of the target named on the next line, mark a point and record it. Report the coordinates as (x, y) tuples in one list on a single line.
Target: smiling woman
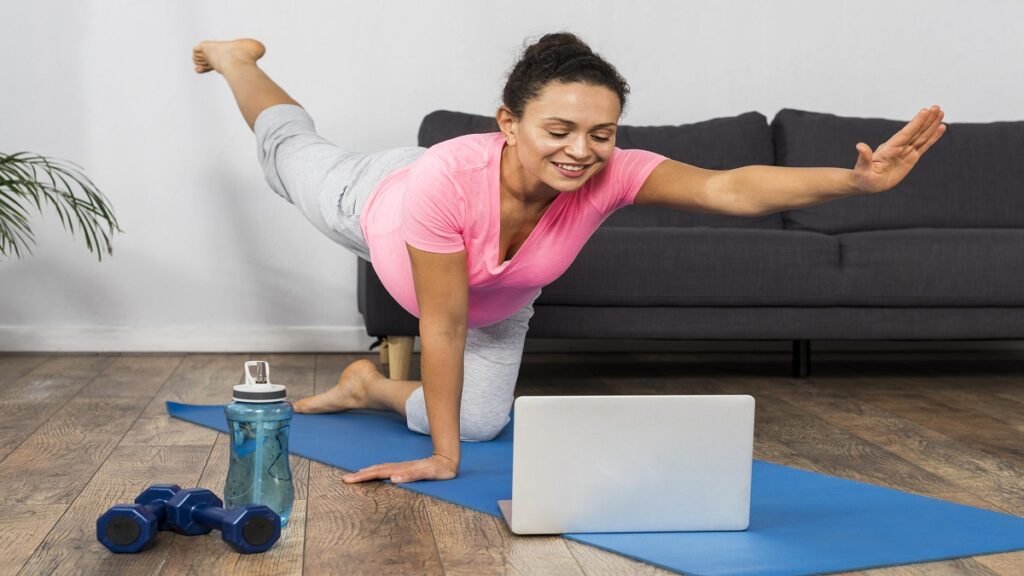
[(463, 235), (466, 234)]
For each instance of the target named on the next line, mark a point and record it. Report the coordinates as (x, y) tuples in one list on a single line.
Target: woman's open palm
[(892, 161)]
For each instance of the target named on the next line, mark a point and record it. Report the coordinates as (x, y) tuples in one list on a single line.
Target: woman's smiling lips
[(571, 173)]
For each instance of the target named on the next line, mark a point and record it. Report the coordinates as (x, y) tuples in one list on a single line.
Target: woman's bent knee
[(483, 431)]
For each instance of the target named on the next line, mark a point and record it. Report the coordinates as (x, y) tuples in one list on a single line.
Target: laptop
[(630, 464)]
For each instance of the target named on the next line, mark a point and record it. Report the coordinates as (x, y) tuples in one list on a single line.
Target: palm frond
[(27, 178)]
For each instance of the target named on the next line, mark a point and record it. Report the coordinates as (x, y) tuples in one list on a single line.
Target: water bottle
[(259, 421)]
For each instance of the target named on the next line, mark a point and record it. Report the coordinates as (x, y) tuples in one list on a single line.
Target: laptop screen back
[(631, 463)]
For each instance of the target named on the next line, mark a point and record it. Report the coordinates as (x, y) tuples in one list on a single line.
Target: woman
[(465, 234)]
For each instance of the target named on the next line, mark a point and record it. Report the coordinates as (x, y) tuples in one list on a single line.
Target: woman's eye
[(564, 134)]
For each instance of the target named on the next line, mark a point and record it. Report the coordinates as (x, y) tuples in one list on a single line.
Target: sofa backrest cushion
[(717, 144), (971, 178)]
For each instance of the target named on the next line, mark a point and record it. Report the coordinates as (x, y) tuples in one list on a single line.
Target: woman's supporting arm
[(442, 294)]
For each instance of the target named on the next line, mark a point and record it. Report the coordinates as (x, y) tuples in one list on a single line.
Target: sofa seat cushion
[(933, 267), (700, 267), (971, 178)]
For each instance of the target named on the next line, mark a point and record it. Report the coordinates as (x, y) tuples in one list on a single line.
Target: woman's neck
[(516, 182)]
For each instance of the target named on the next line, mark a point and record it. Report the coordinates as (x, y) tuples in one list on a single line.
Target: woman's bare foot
[(348, 394), (214, 55)]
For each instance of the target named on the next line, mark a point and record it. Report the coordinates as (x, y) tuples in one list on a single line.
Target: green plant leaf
[(64, 186)]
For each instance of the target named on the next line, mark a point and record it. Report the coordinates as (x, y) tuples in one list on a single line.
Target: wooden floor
[(79, 433)]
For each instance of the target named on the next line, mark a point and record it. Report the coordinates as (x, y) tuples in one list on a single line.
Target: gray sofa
[(941, 256)]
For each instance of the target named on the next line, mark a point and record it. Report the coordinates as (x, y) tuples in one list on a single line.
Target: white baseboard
[(353, 339)]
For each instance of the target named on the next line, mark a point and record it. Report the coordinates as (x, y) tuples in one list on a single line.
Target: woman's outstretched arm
[(235, 60), (761, 190)]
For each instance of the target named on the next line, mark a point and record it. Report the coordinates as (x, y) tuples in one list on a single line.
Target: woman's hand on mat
[(885, 167), (436, 467)]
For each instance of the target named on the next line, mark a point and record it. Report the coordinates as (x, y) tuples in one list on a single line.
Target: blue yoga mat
[(800, 522)]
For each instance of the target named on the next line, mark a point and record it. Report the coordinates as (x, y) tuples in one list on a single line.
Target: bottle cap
[(257, 387)]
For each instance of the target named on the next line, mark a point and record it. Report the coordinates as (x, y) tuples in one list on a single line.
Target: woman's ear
[(508, 124)]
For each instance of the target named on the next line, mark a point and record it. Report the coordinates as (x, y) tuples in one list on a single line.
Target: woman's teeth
[(570, 167)]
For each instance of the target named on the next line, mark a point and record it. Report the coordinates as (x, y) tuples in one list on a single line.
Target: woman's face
[(566, 135)]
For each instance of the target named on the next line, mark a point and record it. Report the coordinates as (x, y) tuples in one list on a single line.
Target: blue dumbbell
[(128, 528), (247, 529)]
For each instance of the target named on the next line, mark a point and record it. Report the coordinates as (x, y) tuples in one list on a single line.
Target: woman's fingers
[(921, 123), (369, 473), (934, 138), (927, 135), (911, 130)]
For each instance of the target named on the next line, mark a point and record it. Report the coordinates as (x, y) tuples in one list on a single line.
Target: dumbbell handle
[(211, 515), (158, 508)]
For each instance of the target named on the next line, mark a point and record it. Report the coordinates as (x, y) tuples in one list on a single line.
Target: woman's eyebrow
[(571, 123)]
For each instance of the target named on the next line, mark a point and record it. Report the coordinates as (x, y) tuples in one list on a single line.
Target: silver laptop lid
[(631, 463)]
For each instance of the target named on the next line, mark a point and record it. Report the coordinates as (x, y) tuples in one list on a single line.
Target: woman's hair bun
[(558, 57)]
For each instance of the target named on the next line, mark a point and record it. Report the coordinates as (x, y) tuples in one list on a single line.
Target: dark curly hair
[(559, 57)]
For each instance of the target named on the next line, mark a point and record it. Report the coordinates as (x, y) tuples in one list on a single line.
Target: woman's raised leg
[(235, 60)]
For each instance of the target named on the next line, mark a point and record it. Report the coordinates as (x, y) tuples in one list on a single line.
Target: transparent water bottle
[(259, 421)]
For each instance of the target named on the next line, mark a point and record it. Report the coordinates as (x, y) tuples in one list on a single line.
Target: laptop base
[(506, 512)]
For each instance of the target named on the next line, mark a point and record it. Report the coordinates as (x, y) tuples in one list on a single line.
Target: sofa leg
[(399, 356), (384, 352), (801, 358)]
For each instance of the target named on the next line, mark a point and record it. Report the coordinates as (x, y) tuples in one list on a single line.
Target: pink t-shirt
[(449, 200)]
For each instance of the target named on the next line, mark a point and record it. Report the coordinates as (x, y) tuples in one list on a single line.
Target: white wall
[(213, 260)]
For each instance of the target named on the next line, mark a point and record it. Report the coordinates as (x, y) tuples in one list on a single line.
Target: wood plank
[(468, 542), (38, 394), (14, 366), (836, 450), (999, 483), (366, 528), (198, 379), (1009, 564), (71, 546), (473, 543), (597, 562), (896, 380), (133, 375), (53, 464), (958, 567), (23, 529)]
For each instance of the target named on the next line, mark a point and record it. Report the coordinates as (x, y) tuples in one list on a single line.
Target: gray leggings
[(330, 187)]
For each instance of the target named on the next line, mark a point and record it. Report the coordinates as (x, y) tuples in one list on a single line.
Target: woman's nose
[(578, 148)]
